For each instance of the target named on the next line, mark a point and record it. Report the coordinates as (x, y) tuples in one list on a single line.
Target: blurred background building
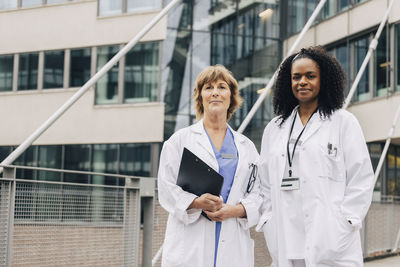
[(50, 48)]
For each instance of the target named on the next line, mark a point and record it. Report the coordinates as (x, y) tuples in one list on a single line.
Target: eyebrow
[(308, 72)]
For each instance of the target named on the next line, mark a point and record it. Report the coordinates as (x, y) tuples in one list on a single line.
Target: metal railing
[(51, 223)]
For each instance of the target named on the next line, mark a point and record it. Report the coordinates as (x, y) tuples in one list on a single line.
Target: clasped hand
[(215, 209)]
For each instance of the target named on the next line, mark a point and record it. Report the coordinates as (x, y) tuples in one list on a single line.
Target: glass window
[(29, 3), (77, 157), (397, 63), (311, 5), (105, 160), (329, 9), (142, 73), (6, 72), (343, 58), (4, 152), (28, 71), (391, 172), (50, 157), (110, 7), (107, 86), (8, 4), (79, 67), (28, 158), (53, 69), (382, 65), (360, 51), (296, 15), (56, 1), (135, 159), (343, 4), (140, 5)]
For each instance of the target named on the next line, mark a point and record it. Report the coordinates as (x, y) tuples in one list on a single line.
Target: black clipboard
[(196, 177)]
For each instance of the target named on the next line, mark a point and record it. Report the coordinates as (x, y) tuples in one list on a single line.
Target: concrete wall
[(84, 123), (70, 25)]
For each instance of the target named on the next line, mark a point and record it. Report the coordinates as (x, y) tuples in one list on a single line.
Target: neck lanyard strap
[(290, 158)]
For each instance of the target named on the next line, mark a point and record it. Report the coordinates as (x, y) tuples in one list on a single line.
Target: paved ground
[(386, 262)]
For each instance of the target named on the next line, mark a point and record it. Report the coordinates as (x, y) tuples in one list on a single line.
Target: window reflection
[(360, 51), (53, 69), (140, 5), (77, 157), (49, 157), (28, 71), (29, 3), (79, 66), (109, 7), (141, 73), (6, 72), (397, 63), (107, 86), (8, 4), (382, 65)]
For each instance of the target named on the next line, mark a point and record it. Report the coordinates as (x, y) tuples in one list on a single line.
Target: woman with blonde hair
[(223, 239)]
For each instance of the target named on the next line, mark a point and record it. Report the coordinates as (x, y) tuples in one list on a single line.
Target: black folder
[(196, 177)]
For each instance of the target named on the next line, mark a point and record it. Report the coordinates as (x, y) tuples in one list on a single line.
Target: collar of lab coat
[(316, 123), (198, 128)]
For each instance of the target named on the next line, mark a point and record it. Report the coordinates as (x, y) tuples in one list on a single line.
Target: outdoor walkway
[(386, 262)]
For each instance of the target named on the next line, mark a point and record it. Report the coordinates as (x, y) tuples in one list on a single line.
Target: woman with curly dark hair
[(315, 169)]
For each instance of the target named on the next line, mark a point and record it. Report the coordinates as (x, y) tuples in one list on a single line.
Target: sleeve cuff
[(182, 212)]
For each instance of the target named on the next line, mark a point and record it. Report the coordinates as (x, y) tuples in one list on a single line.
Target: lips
[(303, 90)]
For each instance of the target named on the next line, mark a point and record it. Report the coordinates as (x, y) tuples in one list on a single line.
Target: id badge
[(292, 183)]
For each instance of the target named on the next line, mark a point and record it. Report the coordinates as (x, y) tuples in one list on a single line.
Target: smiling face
[(216, 98), (306, 80)]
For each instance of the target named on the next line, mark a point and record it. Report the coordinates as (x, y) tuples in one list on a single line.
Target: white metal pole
[(371, 49), (36, 134), (271, 81), (157, 256)]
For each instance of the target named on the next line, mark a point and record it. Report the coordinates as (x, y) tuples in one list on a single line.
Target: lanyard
[(290, 160)]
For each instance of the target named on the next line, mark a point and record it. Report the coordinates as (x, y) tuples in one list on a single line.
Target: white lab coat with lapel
[(190, 238), (335, 187)]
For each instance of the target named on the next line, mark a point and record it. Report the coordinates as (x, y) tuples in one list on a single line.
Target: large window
[(8, 4), (29, 3), (53, 69), (6, 72), (113, 7), (141, 73), (127, 159), (382, 65), (28, 71), (107, 86), (360, 51), (397, 62), (79, 66)]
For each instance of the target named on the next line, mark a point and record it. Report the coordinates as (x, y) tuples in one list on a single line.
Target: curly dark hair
[(331, 94)]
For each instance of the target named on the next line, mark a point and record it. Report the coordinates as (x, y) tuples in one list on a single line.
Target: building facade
[(50, 48)]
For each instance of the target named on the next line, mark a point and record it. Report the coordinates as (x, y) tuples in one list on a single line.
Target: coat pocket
[(332, 165)]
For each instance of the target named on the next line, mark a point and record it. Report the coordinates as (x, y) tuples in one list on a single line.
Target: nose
[(303, 81), (215, 90)]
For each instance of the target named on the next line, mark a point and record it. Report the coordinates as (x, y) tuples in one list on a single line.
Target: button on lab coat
[(190, 238), (336, 184)]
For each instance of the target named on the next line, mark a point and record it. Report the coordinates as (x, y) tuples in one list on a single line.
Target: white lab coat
[(335, 188), (190, 238)]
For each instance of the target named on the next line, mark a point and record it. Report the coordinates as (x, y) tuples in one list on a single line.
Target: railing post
[(7, 203), (131, 222), (147, 193)]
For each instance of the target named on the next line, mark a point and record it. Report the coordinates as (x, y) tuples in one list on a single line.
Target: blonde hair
[(213, 74)]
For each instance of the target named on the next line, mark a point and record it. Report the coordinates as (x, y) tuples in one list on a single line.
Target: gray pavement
[(393, 261)]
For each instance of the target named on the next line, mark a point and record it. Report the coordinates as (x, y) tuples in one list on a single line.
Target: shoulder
[(344, 116), (241, 138), (273, 124)]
